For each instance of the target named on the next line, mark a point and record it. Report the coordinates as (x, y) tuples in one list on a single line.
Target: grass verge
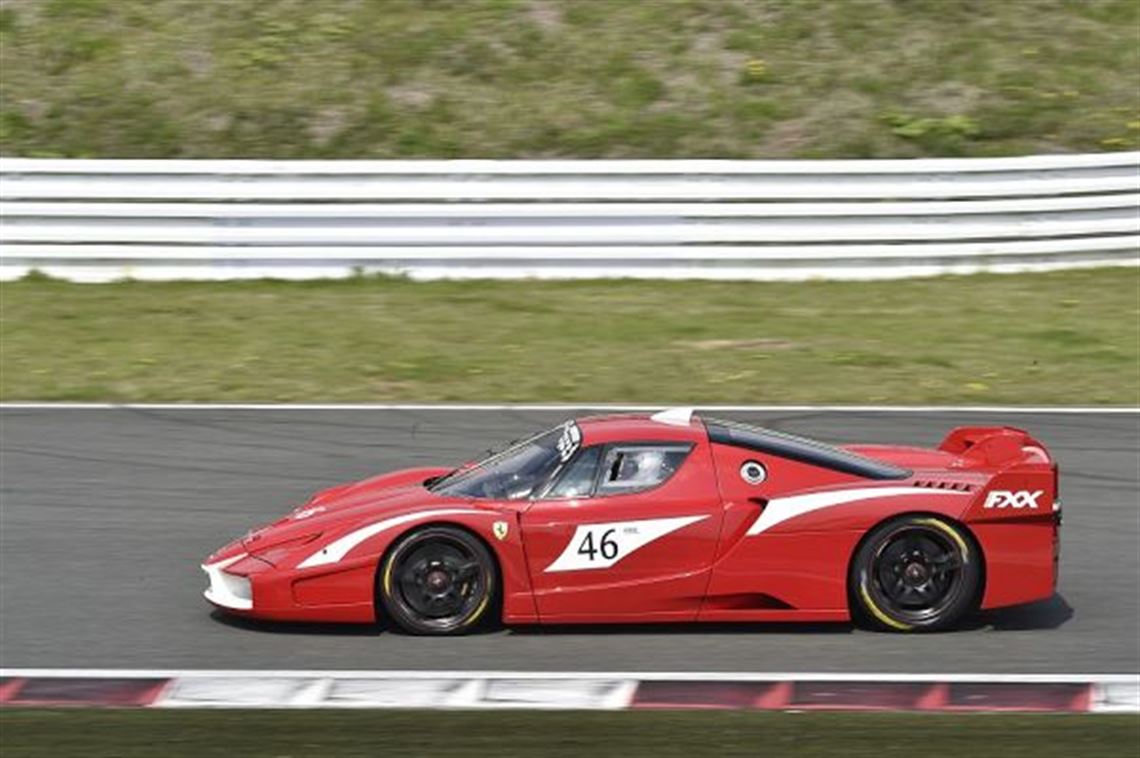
[(1058, 338), (542, 78), (660, 734)]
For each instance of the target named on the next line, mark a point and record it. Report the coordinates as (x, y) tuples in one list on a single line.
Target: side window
[(578, 478), (628, 468)]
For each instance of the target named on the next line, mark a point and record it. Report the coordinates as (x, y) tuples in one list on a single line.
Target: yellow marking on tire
[(482, 605), (478, 611), (388, 577), (878, 613), (949, 530)]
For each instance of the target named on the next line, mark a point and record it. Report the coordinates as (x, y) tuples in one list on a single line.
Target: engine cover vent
[(936, 484)]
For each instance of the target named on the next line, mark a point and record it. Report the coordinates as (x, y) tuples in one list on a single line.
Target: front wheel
[(915, 573), (437, 580)]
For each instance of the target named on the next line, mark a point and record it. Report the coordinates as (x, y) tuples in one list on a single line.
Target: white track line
[(644, 676), (432, 407)]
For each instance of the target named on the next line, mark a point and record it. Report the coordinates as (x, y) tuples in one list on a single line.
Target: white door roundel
[(599, 546)]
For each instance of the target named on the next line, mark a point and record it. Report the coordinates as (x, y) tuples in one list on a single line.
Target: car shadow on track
[(675, 628), (288, 627), (1045, 614)]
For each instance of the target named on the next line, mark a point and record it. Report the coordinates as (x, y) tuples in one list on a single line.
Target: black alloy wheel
[(915, 573), (438, 580)]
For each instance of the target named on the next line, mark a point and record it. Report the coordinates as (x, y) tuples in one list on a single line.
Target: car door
[(626, 530)]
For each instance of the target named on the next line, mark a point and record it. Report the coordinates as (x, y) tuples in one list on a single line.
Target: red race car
[(669, 517)]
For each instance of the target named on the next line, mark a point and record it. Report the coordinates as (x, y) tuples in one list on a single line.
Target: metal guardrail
[(100, 220)]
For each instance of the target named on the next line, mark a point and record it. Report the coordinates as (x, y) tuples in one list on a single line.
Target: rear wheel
[(438, 580), (915, 573)]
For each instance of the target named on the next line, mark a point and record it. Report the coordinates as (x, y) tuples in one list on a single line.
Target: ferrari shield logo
[(500, 529)]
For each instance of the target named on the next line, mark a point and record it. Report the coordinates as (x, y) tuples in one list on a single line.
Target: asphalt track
[(105, 515)]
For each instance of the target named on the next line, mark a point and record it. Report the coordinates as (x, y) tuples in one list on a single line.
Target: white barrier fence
[(100, 220)]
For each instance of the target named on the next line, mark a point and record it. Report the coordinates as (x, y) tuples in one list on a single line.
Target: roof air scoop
[(674, 416)]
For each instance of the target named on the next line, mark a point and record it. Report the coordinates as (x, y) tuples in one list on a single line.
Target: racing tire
[(438, 580), (916, 573)]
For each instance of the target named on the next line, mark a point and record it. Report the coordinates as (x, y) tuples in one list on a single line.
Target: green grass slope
[(1059, 338)]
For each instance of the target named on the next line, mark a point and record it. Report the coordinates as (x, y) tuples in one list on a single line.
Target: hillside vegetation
[(585, 78)]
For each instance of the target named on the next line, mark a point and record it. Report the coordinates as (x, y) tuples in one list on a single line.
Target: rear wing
[(995, 446), (1026, 484)]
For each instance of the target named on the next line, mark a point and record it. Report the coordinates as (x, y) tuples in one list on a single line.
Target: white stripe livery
[(338, 548), (674, 416), (781, 509), (227, 590), (599, 546)]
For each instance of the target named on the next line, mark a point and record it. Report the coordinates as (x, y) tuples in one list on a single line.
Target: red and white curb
[(570, 690)]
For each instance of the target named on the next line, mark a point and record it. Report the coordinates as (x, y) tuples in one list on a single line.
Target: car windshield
[(516, 472)]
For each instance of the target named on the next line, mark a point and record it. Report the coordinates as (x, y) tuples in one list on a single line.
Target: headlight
[(276, 554)]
